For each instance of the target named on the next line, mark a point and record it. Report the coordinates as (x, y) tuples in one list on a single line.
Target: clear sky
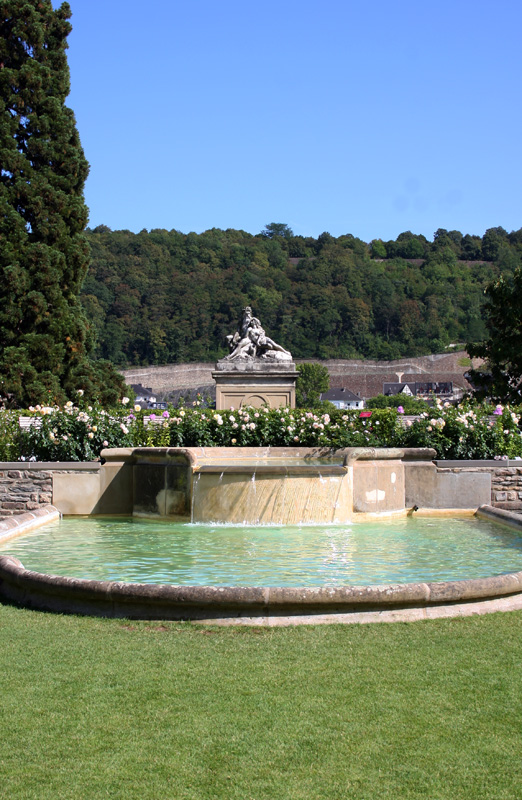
[(368, 117)]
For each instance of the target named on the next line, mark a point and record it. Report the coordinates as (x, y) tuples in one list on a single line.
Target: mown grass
[(114, 709)]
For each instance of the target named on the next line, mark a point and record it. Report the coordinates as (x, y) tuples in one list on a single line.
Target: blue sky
[(365, 117)]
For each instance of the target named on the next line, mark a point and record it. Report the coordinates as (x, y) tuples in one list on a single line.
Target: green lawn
[(95, 708)]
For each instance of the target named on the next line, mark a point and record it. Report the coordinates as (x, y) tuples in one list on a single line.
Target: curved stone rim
[(265, 605)]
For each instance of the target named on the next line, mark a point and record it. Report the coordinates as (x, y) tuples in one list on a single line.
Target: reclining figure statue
[(250, 341)]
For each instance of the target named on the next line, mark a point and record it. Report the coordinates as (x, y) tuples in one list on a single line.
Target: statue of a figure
[(251, 341)]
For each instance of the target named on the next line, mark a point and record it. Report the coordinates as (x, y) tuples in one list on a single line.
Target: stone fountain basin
[(255, 605)]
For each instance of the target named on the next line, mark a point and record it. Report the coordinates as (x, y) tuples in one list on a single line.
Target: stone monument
[(257, 370)]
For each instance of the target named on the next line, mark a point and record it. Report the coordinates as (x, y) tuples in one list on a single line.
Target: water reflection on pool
[(386, 551)]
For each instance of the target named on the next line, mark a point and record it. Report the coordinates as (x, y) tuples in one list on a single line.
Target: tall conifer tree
[(44, 256)]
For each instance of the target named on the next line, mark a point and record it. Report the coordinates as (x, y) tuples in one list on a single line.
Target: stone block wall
[(506, 480), (506, 488), (24, 490)]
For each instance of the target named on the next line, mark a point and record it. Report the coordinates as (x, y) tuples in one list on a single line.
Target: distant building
[(343, 398), (409, 389), (422, 389), (144, 397), (437, 388)]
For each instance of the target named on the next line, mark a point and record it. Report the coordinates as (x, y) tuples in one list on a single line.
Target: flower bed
[(78, 432)]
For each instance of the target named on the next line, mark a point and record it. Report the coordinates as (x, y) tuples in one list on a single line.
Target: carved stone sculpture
[(257, 371), (251, 342)]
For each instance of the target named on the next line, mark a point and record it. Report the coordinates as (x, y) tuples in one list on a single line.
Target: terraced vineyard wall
[(364, 377)]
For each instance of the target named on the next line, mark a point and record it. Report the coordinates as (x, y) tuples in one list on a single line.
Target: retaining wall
[(506, 479), (506, 488), (364, 376), (29, 486), (24, 489)]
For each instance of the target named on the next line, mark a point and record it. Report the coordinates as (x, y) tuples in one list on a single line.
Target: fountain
[(272, 485), (267, 486)]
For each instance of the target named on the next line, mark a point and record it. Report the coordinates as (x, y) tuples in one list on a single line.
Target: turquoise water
[(391, 551)]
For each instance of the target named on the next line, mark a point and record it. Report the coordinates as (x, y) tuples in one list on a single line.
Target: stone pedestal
[(255, 383)]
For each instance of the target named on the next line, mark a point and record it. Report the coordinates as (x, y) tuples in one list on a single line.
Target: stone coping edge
[(49, 466), (127, 453), (255, 605), (22, 523), (244, 455), (504, 516), (477, 462)]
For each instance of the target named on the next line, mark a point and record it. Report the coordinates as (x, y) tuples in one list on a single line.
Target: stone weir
[(282, 485)]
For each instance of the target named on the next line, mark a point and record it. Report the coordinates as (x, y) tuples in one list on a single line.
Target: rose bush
[(469, 430), (74, 432), (78, 432)]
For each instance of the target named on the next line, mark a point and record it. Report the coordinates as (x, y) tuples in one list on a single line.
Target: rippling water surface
[(391, 551)]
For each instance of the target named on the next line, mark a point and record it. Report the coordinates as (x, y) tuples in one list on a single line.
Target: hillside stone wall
[(171, 376), (362, 376)]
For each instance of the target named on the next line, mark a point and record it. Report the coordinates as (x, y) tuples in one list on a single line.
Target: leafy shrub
[(467, 431), (9, 436), (80, 432), (410, 405)]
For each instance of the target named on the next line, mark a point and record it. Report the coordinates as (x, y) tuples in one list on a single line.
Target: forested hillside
[(163, 296)]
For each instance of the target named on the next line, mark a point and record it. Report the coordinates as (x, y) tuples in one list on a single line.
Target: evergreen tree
[(501, 375), (44, 336)]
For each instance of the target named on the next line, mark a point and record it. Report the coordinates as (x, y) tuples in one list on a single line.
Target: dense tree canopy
[(277, 229), (44, 335), (164, 296)]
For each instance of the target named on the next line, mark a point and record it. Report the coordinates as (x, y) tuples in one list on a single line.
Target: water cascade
[(280, 486)]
